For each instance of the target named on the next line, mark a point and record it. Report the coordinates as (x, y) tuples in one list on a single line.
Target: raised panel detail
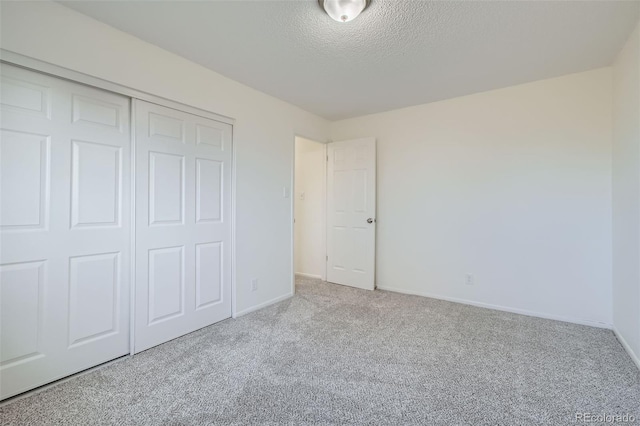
[(360, 191), (360, 249), (341, 244), (94, 284), (21, 303), (166, 127), (24, 175), (95, 111), (166, 188), (166, 283), (342, 190), (209, 190), (211, 136), (25, 97), (96, 184), (208, 274)]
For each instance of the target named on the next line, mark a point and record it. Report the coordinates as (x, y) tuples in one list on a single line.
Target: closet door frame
[(18, 60)]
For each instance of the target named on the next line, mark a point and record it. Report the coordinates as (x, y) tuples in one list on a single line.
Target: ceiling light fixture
[(344, 10)]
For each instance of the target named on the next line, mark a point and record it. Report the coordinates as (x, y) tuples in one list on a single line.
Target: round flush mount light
[(344, 10)]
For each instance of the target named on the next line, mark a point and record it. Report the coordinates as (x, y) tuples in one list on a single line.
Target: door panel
[(183, 233), (65, 231), (95, 184), (93, 293), (351, 202), (166, 188), (166, 283), (25, 159), (22, 303)]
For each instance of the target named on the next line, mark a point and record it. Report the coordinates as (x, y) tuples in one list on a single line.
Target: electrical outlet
[(469, 279), (254, 284)]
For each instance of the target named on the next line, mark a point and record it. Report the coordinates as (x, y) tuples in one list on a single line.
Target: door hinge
[(327, 258)]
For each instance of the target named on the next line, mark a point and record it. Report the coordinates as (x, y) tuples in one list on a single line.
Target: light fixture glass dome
[(343, 10)]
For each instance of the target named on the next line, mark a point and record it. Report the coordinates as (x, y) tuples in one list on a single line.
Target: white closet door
[(351, 213), (183, 232), (64, 228)]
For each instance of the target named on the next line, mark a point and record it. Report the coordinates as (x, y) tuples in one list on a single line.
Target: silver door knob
[(370, 220)]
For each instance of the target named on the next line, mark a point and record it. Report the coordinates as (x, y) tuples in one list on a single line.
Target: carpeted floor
[(337, 355)]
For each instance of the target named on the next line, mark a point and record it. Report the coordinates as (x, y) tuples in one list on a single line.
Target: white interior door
[(351, 208), (64, 228), (183, 229)]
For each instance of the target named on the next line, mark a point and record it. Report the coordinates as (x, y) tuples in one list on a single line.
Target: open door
[(351, 208)]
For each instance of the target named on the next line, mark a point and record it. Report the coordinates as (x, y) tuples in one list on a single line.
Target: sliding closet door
[(64, 228), (183, 233)]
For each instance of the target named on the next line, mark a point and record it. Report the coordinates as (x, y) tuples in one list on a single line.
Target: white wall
[(263, 132), (626, 195), (310, 249), (512, 186)]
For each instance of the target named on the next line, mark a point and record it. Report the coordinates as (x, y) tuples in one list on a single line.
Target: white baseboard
[(625, 345), (263, 305), (312, 276), (501, 308)]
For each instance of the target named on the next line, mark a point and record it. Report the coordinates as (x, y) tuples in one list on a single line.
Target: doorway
[(309, 245), (334, 206)]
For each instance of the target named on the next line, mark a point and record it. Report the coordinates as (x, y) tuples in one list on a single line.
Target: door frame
[(42, 67), (293, 205)]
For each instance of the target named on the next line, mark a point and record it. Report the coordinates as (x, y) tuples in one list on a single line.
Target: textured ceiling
[(396, 54)]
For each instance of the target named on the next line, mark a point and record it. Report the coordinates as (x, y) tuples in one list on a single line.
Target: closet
[(111, 240)]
